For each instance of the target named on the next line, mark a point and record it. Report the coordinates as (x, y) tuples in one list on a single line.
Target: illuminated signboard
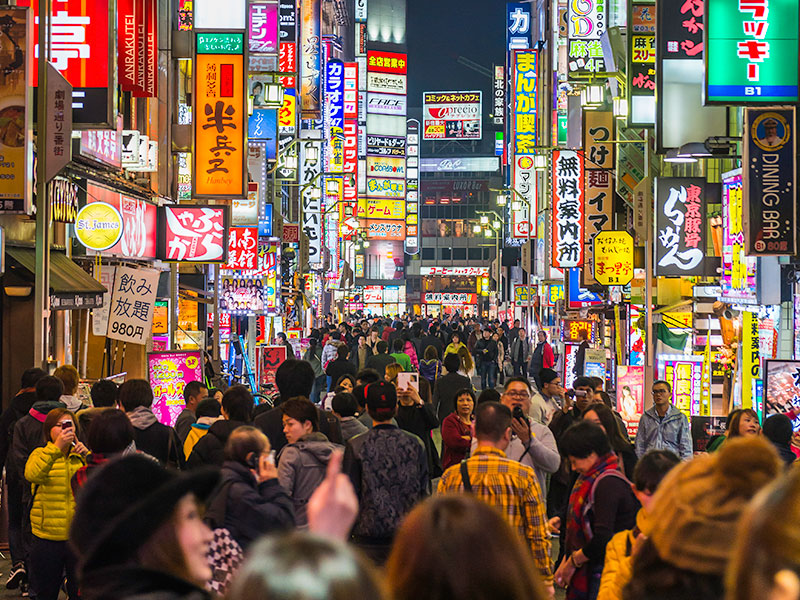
[(572, 330), (98, 226), (568, 209), (386, 230), (310, 169), (139, 222), (456, 271), (193, 233), (523, 221), (586, 24), (386, 209), (219, 125), (684, 374), (310, 59), (613, 258), (451, 298), (169, 372), (630, 396), (242, 248), (680, 226), (220, 43), (738, 281), (137, 46), (334, 116), (750, 49), (525, 83), (387, 62), (263, 22), (452, 116)]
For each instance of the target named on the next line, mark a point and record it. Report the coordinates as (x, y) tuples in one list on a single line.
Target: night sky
[(439, 31)]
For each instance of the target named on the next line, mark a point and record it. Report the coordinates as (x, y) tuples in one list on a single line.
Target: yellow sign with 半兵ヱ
[(613, 258)]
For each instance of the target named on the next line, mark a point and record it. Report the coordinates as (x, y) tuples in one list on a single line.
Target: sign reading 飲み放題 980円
[(751, 51)]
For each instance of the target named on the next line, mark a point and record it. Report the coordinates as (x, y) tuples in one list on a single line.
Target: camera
[(518, 413)]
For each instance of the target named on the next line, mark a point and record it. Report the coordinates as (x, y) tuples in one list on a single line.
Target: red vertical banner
[(568, 209), (128, 26), (287, 63)]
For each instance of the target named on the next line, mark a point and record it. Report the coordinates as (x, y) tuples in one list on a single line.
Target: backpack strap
[(465, 477), (604, 475)]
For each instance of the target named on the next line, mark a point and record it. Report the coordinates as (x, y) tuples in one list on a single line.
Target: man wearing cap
[(389, 471)]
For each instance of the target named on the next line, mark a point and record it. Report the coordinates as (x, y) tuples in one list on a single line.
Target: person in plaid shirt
[(506, 484)]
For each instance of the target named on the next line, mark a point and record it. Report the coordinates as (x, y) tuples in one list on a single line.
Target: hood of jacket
[(671, 413), (236, 471), (129, 581), (315, 444), (39, 410), (223, 429), (72, 403), (142, 417)]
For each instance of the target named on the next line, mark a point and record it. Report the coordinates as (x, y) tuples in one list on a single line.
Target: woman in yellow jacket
[(49, 470), (618, 565)]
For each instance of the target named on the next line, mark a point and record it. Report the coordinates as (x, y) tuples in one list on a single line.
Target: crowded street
[(399, 300)]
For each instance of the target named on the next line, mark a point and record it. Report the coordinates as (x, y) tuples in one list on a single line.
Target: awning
[(70, 286)]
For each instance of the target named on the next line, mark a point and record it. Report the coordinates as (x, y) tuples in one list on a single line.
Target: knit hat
[(548, 376), (380, 394), (124, 503), (698, 503)]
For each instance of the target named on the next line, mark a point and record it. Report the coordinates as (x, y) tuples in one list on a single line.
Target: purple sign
[(168, 373), (263, 27)]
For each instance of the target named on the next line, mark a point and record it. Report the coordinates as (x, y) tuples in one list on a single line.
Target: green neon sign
[(751, 52), (220, 43)]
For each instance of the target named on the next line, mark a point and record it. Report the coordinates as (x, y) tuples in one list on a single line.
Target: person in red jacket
[(543, 358), (457, 429)]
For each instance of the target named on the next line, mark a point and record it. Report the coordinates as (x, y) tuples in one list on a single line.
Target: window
[(446, 254), (459, 254), (474, 254), (429, 254)]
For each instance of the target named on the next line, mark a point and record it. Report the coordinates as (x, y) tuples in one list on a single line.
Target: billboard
[(586, 24), (525, 87), (750, 47), (680, 226), (568, 209), (193, 233), (738, 281), (770, 177), (168, 373), (452, 115)]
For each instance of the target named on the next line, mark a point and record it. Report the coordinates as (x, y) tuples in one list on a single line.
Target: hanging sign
[(568, 209), (680, 239), (613, 258), (523, 221), (310, 169), (770, 180), (59, 127), (334, 116), (98, 226), (263, 27), (192, 233), (133, 301), (310, 59)]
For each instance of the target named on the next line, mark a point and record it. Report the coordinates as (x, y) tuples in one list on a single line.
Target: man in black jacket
[(237, 410), (381, 360), (485, 352), (431, 339), (294, 378), (446, 387), (340, 366), (156, 439)]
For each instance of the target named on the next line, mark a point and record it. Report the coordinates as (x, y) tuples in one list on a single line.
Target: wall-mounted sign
[(386, 209), (380, 187), (263, 26), (169, 372), (450, 298), (242, 296), (139, 218), (770, 179), (386, 104), (452, 115), (244, 211), (242, 248), (499, 95), (684, 374), (386, 166), (518, 26), (130, 317), (387, 83), (219, 125), (525, 101), (262, 125), (488, 164), (456, 271), (291, 233), (613, 258), (310, 60), (207, 14), (641, 65), (577, 296), (310, 169), (386, 230), (63, 196), (287, 113), (523, 221), (137, 46), (334, 116), (750, 47), (98, 226), (586, 24), (386, 145), (220, 43), (59, 128), (738, 281), (287, 63), (192, 233), (568, 209), (103, 145), (387, 62), (680, 226), (630, 394)]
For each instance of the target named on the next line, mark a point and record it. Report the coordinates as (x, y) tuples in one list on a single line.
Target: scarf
[(141, 417), (579, 528)]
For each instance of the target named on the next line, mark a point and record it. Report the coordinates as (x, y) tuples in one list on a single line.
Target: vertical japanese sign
[(130, 316), (412, 186), (642, 65), (185, 15), (770, 180), (263, 27), (738, 281), (684, 373), (15, 114), (334, 116), (568, 210), (518, 28), (499, 95), (524, 219), (752, 45), (287, 63), (525, 81), (287, 113), (310, 60), (681, 25), (137, 46), (680, 237), (169, 372), (598, 131), (242, 248), (192, 233), (59, 129), (586, 24), (219, 126), (311, 203), (751, 358)]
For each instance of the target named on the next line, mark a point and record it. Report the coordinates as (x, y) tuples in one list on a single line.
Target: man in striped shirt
[(509, 486)]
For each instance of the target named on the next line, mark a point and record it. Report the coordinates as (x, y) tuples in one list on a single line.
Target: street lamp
[(592, 96), (484, 219), (476, 228), (540, 162), (502, 200)]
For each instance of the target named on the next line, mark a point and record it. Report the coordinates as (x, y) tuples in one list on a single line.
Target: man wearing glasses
[(532, 443), (664, 427)]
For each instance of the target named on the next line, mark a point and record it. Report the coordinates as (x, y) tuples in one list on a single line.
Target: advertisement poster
[(630, 396), (168, 373), (782, 388), (770, 163), (452, 115), (241, 296), (132, 305), (271, 358), (680, 226), (15, 114), (684, 374), (100, 315)]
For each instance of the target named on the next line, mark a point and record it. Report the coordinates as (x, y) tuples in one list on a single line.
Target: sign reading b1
[(613, 258)]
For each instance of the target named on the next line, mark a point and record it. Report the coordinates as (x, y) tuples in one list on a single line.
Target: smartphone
[(252, 461), (518, 413), (408, 380), (66, 425)]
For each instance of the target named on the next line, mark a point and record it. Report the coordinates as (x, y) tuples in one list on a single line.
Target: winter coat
[(20, 405), (444, 393), (351, 427), (27, 437), (485, 351), (670, 433), (431, 340), (184, 423), (543, 358), (153, 438), (430, 369), (210, 449), (301, 468), (131, 582), (50, 473), (329, 353), (411, 351), (516, 344), (196, 433), (421, 420), (618, 566), (313, 357), (379, 362), (271, 423), (253, 509), (453, 348)]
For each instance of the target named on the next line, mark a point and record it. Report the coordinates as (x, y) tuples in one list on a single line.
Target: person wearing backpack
[(303, 461), (430, 367), (249, 501), (601, 504)]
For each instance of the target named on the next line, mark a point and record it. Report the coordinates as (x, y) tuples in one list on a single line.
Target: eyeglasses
[(520, 395), (660, 392)]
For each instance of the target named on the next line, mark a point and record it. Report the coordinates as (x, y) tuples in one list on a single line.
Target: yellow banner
[(386, 209)]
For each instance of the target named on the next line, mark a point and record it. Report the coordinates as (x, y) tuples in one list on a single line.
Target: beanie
[(548, 376), (698, 504)]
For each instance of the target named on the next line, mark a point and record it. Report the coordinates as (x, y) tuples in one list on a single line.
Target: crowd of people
[(388, 476)]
